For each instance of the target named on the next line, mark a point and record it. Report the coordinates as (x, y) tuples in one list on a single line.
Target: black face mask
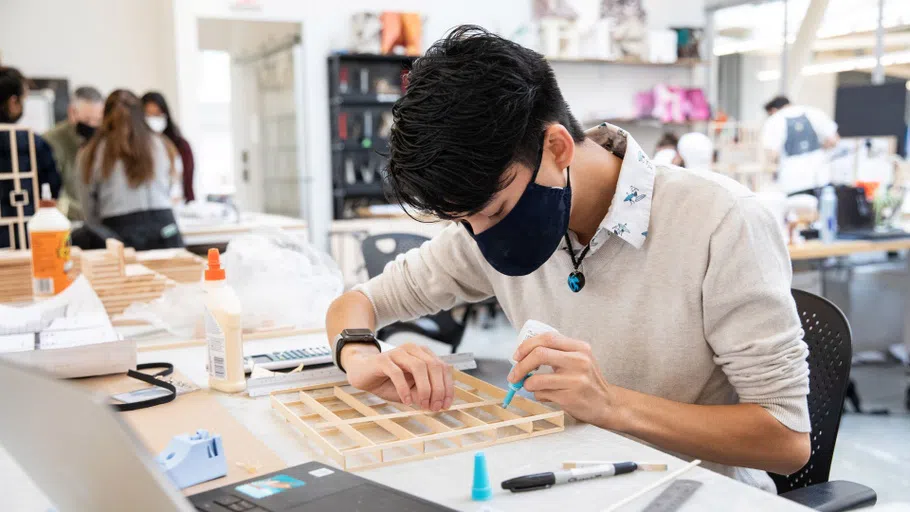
[(530, 233), (85, 131)]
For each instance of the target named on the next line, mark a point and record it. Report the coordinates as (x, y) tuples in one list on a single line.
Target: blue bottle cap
[(481, 491)]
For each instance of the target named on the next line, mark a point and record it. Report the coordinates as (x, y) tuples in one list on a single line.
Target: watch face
[(357, 333)]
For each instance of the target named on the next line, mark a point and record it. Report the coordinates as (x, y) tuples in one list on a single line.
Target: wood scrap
[(118, 283)]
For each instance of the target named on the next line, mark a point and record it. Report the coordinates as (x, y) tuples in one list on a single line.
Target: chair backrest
[(379, 250), (827, 333)]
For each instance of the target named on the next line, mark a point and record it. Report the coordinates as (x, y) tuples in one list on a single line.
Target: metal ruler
[(262, 386), (673, 497)]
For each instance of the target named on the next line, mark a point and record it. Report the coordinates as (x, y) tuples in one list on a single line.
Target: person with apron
[(126, 172)]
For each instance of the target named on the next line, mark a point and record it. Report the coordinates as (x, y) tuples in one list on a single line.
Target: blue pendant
[(576, 281)]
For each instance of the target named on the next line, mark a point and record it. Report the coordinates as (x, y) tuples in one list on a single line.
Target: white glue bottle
[(223, 329), (49, 238), (530, 329)]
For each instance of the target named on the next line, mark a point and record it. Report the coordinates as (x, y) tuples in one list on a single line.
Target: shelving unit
[(362, 90)]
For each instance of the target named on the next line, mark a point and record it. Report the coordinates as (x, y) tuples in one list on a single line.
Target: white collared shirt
[(630, 210)]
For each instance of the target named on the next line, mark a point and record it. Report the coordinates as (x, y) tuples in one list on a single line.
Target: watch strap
[(341, 341)]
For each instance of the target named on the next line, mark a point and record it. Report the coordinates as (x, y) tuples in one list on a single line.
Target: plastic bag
[(281, 280)]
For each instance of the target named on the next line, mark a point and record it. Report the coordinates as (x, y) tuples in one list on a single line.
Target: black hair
[(777, 103), (88, 93), (475, 104), (12, 83), (171, 131), (668, 139)]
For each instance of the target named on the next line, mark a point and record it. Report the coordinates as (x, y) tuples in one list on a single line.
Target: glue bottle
[(530, 329), (49, 238), (222, 329)]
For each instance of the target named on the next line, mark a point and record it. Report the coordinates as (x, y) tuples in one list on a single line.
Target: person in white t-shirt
[(797, 136)]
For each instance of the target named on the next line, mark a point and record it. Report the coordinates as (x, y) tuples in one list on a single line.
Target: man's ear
[(559, 145)]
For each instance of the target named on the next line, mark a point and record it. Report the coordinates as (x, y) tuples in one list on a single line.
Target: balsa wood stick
[(645, 490)]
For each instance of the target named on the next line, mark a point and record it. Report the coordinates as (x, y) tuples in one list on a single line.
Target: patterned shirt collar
[(630, 209)]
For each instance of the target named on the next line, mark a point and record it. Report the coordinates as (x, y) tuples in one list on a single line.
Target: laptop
[(84, 457)]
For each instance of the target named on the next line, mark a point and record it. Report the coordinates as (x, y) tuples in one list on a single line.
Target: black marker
[(545, 480)]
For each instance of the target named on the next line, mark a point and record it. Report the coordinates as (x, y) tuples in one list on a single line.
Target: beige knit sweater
[(700, 314)]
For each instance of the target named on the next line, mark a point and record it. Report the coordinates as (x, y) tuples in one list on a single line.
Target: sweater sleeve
[(750, 318), (438, 275)]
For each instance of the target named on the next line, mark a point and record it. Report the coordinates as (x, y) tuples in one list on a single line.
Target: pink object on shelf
[(644, 104)]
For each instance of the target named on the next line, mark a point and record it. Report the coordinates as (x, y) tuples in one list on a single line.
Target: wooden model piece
[(361, 431), (178, 264), (19, 187), (117, 283), (15, 276)]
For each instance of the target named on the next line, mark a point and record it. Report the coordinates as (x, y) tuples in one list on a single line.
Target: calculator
[(308, 356)]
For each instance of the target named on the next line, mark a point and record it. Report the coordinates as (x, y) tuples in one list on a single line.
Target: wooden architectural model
[(178, 264), (15, 276), (19, 188), (359, 431), (117, 283)]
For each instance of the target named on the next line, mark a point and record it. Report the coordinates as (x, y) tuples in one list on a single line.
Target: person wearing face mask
[(158, 117), (20, 194), (669, 287), (126, 171), (83, 117)]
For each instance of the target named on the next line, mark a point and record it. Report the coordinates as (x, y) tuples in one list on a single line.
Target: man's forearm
[(738, 435), (353, 310)]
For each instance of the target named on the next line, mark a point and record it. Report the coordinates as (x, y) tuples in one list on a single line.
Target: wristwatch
[(365, 336)]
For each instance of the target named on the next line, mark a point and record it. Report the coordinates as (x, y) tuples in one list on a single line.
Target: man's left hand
[(576, 383)]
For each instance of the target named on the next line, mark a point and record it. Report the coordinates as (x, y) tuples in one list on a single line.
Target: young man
[(83, 117), (670, 288), (15, 194), (796, 136)]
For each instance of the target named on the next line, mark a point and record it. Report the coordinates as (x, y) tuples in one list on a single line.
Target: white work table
[(447, 480)]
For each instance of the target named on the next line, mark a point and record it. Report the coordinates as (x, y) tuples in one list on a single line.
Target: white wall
[(104, 43)]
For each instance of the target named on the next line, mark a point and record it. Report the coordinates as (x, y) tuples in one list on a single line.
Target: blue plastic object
[(192, 459), (512, 389), (481, 490)]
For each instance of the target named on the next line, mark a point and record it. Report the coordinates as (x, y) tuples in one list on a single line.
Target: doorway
[(252, 136)]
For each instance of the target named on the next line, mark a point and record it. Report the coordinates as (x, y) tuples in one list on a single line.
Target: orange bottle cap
[(214, 272)]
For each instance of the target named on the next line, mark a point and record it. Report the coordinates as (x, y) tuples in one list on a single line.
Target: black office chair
[(827, 333), (442, 326)]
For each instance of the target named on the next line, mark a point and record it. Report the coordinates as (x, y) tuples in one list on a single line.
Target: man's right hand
[(409, 374)]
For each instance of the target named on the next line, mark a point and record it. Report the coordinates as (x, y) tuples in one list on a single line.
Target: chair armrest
[(834, 496)]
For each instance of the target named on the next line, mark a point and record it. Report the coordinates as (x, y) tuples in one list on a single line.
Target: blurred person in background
[(13, 90), (126, 171), (67, 137), (158, 117), (666, 152), (797, 136), (696, 151)]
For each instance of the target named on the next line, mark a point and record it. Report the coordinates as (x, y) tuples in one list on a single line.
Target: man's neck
[(594, 173)]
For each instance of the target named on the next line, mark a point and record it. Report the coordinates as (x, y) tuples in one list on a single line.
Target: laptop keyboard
[(234, 504)]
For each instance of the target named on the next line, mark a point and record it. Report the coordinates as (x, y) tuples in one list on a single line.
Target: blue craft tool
[(192, 459), (530, 329)]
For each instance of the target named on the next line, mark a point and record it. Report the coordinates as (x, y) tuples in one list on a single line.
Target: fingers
[(390, 369), (436, 371), (543, 355), (550, 382), (551, 340), (450, 388), (418, 370)]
